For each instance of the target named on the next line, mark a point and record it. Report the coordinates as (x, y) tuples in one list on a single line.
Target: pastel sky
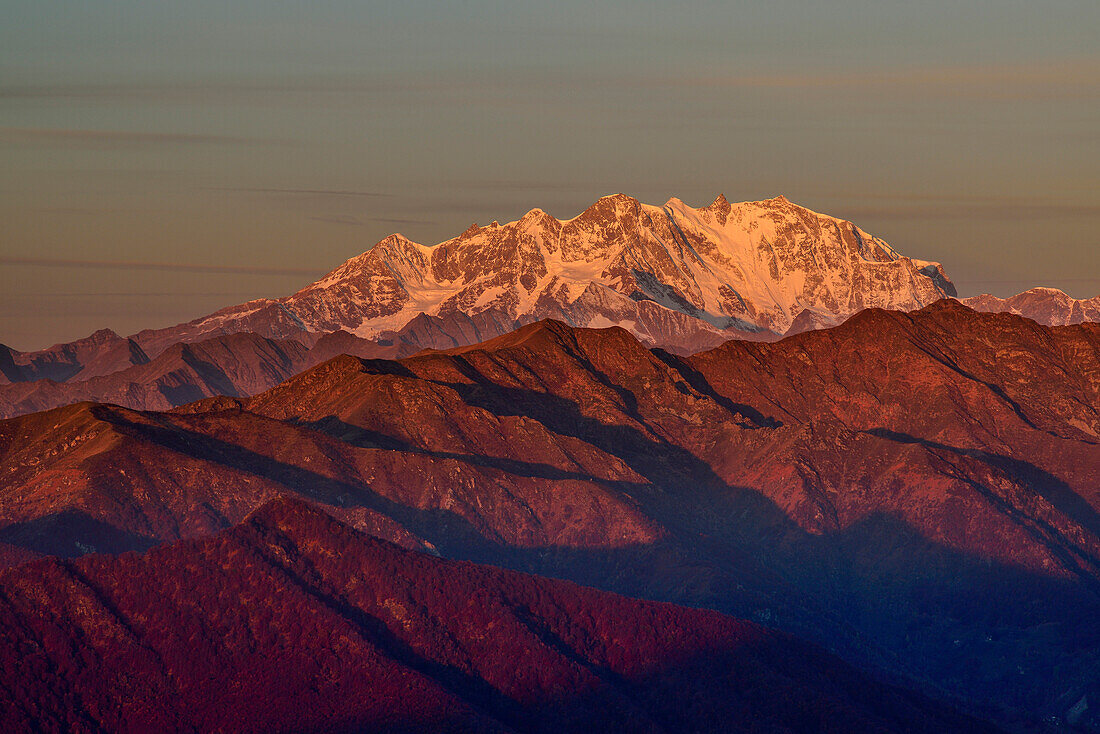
[(160, 160)]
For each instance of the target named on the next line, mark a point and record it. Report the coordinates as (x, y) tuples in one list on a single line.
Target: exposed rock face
[(294, 622), (675, 276), (1048, 306), (916, 491)]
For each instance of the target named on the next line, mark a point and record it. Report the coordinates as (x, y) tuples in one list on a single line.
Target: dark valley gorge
[(735, 468)]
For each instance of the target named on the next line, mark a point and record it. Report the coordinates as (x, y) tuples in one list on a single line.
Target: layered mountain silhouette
[(100, 354), (294, 622), (677, 277), (235, 365), (917, 492)]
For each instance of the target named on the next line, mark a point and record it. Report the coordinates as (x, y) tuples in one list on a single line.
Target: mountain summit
[(674, 275), (1048, 306)]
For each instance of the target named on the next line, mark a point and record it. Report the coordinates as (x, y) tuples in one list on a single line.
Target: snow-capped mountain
[(1048, 306), (675, 276)]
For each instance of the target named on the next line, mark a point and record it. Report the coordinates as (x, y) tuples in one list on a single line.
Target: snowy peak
[(1048, 306), (674, 275)]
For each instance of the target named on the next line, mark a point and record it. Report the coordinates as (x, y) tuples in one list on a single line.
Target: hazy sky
[(160, 160)]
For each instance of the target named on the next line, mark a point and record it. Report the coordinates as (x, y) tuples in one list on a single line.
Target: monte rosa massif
[(677, 277)]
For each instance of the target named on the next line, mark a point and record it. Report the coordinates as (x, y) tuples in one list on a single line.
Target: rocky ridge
[(1048, 306), (957, 545)]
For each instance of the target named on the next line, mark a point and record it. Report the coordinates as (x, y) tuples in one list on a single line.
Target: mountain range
[(953, 547), (269, 517), (231, 364), (673, 275), (1048, 306), (677, 277)]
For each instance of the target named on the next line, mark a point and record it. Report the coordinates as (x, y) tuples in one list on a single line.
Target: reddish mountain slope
[(235, 365), (915, 491), (239, 364), (292, 621), (993, 402), (101, 353)]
